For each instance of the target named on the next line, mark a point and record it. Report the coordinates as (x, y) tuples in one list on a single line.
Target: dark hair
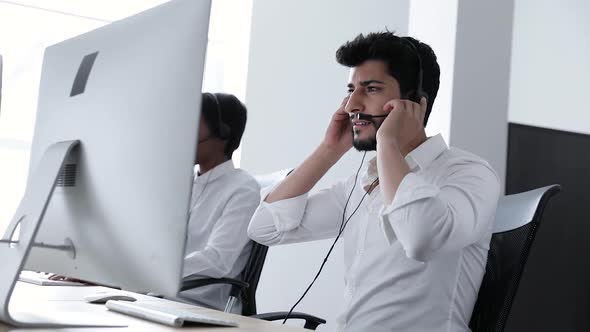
[(400, 58), (226, 117)]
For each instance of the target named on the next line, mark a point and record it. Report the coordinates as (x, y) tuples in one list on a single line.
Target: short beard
[(369, 144), (365, 145)]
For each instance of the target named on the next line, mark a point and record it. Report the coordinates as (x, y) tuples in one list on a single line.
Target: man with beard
[(417, 223)]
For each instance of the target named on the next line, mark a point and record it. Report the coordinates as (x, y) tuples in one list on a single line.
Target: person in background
[(222, 202)]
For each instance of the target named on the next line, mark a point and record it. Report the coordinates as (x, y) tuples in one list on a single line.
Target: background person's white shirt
[(414, 265), (222, 202)]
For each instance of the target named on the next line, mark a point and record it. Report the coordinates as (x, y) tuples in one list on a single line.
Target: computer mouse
[(103, 297)]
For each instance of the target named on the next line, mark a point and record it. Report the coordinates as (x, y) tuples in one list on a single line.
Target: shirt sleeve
[(430, 219), (228, 237), (307, 217)]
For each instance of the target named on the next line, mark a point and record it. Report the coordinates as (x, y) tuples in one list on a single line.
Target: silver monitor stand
[(14, 252)]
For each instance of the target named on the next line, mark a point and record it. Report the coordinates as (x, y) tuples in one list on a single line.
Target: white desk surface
[(47, 299)]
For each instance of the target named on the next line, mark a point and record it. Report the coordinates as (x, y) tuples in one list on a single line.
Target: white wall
[(434, 23), (481, 79), (294, 85), (550, 68), (472, 41)]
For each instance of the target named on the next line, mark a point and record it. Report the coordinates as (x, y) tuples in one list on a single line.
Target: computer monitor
[(117, 119)]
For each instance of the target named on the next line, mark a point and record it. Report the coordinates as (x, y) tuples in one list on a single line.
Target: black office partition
[(554, 293)]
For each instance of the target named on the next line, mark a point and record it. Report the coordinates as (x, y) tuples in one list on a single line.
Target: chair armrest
[(311, 322), (200, 282)]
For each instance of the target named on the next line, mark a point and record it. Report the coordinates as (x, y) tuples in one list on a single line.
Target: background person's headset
[(415, 96), (221, 129)]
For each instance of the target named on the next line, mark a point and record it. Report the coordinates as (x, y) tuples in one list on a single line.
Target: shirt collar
[(422, 156), (419, 158), (216, 172)]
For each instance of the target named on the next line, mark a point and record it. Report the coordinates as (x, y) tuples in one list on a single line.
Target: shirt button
[(347, 295), (350, 290), (359, 251)]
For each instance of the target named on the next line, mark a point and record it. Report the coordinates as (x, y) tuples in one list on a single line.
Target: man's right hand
[(339, 133)]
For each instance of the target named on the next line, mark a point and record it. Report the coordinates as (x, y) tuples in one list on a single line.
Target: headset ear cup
[(224, 131), (416, 96), (421, 93)]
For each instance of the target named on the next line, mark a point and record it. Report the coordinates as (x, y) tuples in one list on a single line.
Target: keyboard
[(168, 316), (42, 279)]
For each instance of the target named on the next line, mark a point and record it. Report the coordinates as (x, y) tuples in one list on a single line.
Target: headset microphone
[(367, 117)]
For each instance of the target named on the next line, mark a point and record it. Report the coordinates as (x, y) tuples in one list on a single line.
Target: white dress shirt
[(222, 203), (414, 265)]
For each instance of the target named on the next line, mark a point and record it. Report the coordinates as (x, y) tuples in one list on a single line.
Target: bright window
[(22, 44)]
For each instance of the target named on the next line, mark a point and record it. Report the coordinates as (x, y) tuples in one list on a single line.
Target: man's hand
[(404, 122), (64, 278), (339, 133)]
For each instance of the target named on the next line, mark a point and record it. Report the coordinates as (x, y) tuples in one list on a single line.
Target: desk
[(33, 298)]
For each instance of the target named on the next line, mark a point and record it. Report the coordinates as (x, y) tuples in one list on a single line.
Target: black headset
[(419, 92), (221, 129)]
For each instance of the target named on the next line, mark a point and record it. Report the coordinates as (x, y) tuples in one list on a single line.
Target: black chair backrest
[(251, 275), (517, 220)]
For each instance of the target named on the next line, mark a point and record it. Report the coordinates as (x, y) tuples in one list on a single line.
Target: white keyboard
[(167, 316), (42, 279)]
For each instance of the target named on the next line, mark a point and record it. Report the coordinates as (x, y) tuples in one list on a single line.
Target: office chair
[(518, 218), (245, 287)]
